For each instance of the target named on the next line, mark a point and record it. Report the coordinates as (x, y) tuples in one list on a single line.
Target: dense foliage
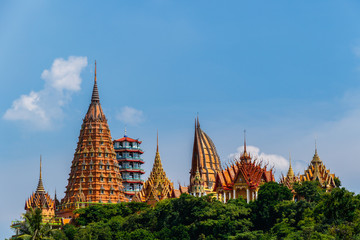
[(318, 215)]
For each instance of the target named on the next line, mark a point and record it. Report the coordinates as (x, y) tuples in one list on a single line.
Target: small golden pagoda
[(205, 161), (94, 175), (197, 186), (42, 200), (290, 178), (318, 172), (242, 179), (158, 187)]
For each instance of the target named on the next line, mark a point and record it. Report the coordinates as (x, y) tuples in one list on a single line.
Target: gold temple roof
[(157, 187), (40, 198), (318, 172), (205, 158)]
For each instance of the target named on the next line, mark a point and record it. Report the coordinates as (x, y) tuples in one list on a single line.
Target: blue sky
[(286, 72)]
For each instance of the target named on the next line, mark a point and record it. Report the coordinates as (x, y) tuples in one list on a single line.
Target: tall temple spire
[(95, 94), (204, 159), (40, 187), (244, 141), (157, 141), (291, 171), (245, 156)]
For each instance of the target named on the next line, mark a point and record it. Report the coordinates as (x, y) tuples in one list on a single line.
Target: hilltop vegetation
[(274, 215)]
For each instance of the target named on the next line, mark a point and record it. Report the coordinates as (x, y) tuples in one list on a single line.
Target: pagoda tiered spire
[(158, 186), (41, 199), (94, 175)]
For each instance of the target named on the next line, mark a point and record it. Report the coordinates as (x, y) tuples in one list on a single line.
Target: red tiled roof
[(127, 139)]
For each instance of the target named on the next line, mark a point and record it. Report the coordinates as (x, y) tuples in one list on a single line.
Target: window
[(106, 154), (107, 167), (92, 154), (101, 166), (112, 192), (82, 179), (90, 179), (91, 167), (101, 143), (99, 154), (100, 130), (110, 179), (84, 154), (101, 179), (84, 167), (90, 130), (89, 143), (102, 191), (90, 191)]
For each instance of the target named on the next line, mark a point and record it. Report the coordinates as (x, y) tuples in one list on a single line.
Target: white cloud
[(65, 74), (131, 116), (40, 109), (279, 163)]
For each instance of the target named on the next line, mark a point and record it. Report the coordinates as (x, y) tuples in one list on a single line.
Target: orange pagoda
[(242, 179), (42, 200), (158, 187), (94, 176), (205, 163), (318, 172)]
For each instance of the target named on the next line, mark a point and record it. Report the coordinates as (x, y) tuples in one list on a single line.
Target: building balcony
[(132, 168), (132, 180), (128, 148)]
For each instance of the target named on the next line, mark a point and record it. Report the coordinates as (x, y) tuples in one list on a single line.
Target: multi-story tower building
[(94, 175), (128, 154), (205, 162)]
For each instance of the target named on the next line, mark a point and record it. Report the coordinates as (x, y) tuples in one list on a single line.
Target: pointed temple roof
[(247, 171), (158, 186), (245, 156), (205, 158), (90, 180), (40, 187), (318, 172), (290, 178), (41, 199)]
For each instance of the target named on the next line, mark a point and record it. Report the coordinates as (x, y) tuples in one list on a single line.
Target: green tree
[(338, 207), (309, 190), (263, 210), (33, 228)]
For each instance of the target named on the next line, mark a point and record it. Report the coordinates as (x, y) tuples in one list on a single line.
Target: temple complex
[(205, 163), (317, 171), (94, 176), (242, 179), (42, 200), (128, 155), (158, 187)]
